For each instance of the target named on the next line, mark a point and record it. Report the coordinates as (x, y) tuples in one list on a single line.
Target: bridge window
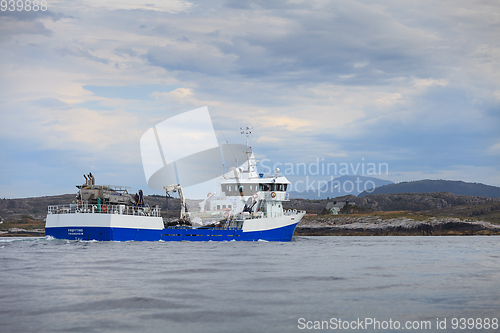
[(278, 187), (265, 187)]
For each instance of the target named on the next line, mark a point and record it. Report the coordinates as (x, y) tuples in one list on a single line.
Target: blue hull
[(283, 234)]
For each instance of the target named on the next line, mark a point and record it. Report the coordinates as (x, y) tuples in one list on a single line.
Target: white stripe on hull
[(271, 222), (104, 220)]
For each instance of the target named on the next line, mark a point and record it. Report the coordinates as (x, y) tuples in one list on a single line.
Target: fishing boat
[(249, 208)]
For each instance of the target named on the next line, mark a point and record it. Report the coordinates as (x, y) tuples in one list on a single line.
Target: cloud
[(125, 50), (30, 15), (496, 94), (171, 6), (79, 52), (494, 149), (416, 86), (190, 57), (312, 45), (57, 125), (286, 122), (10, 28), (134, 92), (51, 103), (180, 95)]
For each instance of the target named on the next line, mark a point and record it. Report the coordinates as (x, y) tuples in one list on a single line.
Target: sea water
[(308, 284)]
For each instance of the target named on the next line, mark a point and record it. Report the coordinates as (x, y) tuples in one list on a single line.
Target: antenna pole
[(247, 131)]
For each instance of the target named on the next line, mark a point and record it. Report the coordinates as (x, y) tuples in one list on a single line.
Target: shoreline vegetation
[(402, 214)]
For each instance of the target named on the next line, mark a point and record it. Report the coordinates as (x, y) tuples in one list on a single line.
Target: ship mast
[(247, 131)]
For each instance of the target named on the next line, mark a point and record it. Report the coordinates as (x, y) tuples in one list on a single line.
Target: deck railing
[(291, 212), (86, 208), (259, 215)]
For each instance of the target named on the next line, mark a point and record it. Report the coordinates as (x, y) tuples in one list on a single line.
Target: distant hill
[(340, 186), (428, 186)]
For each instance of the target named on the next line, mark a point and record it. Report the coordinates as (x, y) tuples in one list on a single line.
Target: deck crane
[(178, 188)]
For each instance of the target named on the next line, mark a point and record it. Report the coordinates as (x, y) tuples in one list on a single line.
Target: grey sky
[(412, 84)]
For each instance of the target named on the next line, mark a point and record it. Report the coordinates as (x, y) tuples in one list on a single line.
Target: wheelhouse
[(247, 189)]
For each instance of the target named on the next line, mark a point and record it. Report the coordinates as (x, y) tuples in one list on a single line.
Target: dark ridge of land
[(428, 186)]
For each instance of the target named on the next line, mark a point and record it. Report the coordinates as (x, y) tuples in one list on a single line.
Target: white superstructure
[(246, 193)]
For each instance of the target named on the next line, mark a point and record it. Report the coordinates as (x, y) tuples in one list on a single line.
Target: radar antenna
[(247, 131)]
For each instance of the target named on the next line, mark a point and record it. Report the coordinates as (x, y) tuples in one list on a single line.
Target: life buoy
[(255, 195), (104, 208), (273, 195)]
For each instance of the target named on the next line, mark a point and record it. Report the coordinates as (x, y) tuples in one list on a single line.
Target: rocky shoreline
[(19, 232), (398, 226)]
